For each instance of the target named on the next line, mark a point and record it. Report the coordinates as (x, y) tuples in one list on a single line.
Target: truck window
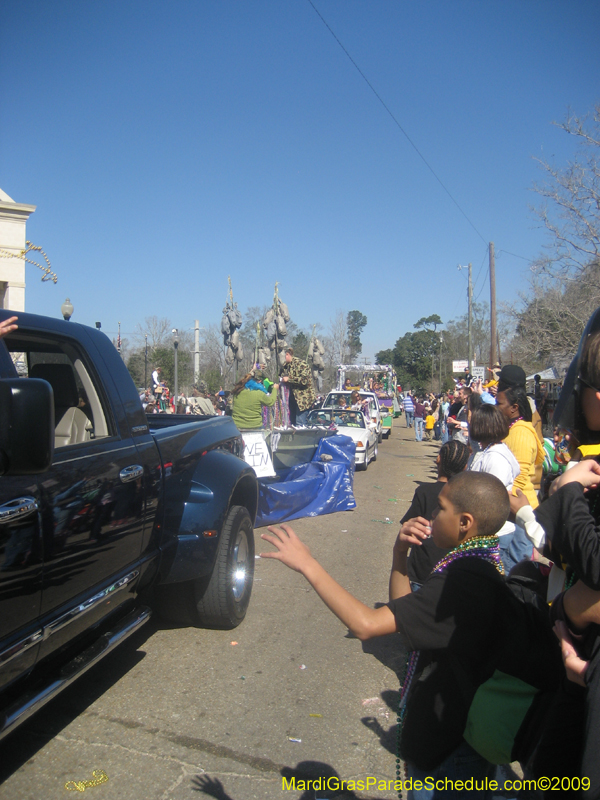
[(80, 414)]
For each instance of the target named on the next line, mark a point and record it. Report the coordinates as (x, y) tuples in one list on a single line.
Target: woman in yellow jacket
[(522, 439)]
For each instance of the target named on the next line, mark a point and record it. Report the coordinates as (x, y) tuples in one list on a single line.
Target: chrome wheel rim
[(239, 569)]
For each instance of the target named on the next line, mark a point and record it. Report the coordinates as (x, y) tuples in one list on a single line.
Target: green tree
[(424, 322), (412, 357), (300, 344), (356, 322), (164, 357), (384, 357), (135, 365)]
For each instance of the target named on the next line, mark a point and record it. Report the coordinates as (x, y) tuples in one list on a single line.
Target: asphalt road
[(181, 713)]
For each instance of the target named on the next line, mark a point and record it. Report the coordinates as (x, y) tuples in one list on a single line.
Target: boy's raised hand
[(290, 550), (413, 532)]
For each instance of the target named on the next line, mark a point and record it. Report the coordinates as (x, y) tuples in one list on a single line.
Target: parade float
[(377, 378), (302, 470)]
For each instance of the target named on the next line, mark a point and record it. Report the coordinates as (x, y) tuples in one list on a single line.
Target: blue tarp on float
[(309, 490)]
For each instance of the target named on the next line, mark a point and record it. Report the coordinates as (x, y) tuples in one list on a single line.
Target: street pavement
[(178, 713)]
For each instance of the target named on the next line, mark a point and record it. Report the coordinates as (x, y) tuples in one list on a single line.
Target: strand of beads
[(485, 547), (409, 671)]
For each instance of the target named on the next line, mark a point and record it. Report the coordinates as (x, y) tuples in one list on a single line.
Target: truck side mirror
[(26, 426)]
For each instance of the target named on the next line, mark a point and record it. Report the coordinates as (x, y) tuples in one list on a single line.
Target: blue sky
[(168, 145)]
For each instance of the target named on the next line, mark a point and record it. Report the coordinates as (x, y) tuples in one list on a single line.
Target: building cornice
[(16, 210)]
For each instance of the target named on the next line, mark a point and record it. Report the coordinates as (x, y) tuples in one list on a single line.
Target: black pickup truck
[(105, 511)]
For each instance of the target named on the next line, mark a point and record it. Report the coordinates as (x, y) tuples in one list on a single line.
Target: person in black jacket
[(570, 518), (464, 621)]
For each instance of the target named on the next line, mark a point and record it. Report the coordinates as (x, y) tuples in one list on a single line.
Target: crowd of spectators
[(549, 546), (158, 399)]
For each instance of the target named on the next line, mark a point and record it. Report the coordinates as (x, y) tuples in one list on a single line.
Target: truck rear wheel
[(220, 600), (222, 603)]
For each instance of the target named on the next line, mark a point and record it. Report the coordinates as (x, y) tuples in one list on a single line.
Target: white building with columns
[(13, 220)]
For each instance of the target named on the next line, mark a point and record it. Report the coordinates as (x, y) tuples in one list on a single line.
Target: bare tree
[(564, 287), (157, 329), (212, 351), (551, 319), (571, 208), (337, 338)]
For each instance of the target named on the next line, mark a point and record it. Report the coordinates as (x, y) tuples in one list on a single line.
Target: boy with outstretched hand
[(464, 621)]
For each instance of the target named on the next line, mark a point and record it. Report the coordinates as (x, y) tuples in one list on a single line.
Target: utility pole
[(432, 365), (441, 343), (470, 356), (470, 317), (493, 336), (176, 348), (196, 351), (146, 362)]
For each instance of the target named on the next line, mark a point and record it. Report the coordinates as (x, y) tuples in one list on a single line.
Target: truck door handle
[(131, 473), (17, 509)]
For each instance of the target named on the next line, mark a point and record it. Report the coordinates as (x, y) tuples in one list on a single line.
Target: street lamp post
[(176, 347), (146, 362), (441, 343), (67, 310)]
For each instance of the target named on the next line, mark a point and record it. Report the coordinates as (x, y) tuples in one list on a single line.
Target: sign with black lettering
[(256, 454)]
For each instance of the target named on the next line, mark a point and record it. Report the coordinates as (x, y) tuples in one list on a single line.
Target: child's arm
[(526, 519), (364, 622), (582, 605), (575, 666), (570, 528)]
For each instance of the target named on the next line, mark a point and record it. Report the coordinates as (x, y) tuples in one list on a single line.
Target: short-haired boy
[(464, 621)]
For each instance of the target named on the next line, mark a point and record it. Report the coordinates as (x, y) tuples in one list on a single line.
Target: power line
[(413, 145), (480, 291), (479, 273), (513, 254), (458, 302)]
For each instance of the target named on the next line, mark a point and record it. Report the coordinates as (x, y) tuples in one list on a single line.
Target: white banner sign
[(256, 454), (460, 366)]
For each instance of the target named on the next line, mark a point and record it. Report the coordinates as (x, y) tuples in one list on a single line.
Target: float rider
[(295, 374)]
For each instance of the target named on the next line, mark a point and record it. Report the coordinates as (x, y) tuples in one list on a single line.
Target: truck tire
[(222, 603), (221, 600)]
